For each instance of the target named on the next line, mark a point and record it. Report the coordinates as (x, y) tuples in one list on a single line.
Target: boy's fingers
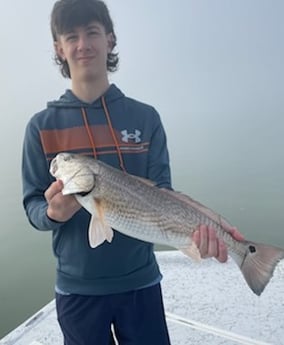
[(204, 240), (223, 252), (55, 188), (196, 238), (236, 234), (212, 243)]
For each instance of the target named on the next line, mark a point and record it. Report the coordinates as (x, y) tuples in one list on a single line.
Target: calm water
[(253, 203)]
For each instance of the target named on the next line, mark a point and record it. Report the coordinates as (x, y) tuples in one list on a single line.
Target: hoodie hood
[(69, 100)]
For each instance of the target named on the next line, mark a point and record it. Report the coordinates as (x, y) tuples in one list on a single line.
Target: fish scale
[(141, 219), (140, 222), (137, 208)]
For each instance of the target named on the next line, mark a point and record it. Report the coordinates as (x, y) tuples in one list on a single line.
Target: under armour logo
[(131, 136)]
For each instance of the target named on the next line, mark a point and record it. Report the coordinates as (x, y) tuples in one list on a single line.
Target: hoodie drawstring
[(121, 164), (89, 132)]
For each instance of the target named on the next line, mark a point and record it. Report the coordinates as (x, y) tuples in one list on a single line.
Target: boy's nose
[(83, 44)]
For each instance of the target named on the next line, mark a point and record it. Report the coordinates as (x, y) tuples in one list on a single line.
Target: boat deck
[(206, 303)]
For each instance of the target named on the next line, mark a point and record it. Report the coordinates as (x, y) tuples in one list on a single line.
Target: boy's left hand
[(210, 245)]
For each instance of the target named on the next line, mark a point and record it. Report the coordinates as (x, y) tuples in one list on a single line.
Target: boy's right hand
[(60, 207)]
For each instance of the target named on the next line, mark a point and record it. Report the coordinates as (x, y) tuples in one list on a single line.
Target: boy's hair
[(68, 14)]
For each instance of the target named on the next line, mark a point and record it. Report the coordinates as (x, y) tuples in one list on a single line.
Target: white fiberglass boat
[(206, 303)]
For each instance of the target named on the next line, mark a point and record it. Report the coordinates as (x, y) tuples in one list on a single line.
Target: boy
[(117, 283)]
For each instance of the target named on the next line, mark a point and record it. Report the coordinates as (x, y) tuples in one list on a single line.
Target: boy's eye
[(71, 38), (94, 33)]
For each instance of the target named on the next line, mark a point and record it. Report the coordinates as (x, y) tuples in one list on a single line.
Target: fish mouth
[(54, 167), (84, 193)]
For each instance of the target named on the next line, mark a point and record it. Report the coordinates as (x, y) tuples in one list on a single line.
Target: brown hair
[(68, 14)]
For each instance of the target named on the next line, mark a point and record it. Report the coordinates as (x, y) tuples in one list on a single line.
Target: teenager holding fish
[(119, 282)]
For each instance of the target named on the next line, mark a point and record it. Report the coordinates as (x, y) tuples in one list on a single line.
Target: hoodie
[(122, 132)]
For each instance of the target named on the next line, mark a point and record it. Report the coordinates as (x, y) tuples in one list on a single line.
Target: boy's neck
[(90, 91)]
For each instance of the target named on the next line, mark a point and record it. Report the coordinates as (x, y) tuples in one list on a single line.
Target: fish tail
[(258, 264)]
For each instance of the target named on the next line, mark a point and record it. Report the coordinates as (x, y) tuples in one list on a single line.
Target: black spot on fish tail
[(259, 263)]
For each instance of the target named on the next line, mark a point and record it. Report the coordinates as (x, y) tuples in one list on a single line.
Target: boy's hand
[(210, 245), (60, 207)]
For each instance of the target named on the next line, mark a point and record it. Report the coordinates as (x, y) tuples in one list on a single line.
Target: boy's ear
[(110, 40), (59, 50)]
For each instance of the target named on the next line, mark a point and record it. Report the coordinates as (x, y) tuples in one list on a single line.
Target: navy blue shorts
[(138, 318)]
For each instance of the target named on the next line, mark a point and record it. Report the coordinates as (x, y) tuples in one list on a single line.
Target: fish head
[(74, 171)]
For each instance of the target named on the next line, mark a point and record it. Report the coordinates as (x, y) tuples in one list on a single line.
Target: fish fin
[(258, 264), (192, 251), (99, 230)]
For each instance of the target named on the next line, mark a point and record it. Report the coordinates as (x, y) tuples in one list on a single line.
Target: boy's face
[(85, 49)]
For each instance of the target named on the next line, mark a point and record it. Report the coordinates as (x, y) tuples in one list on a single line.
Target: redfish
[(136, 207)]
